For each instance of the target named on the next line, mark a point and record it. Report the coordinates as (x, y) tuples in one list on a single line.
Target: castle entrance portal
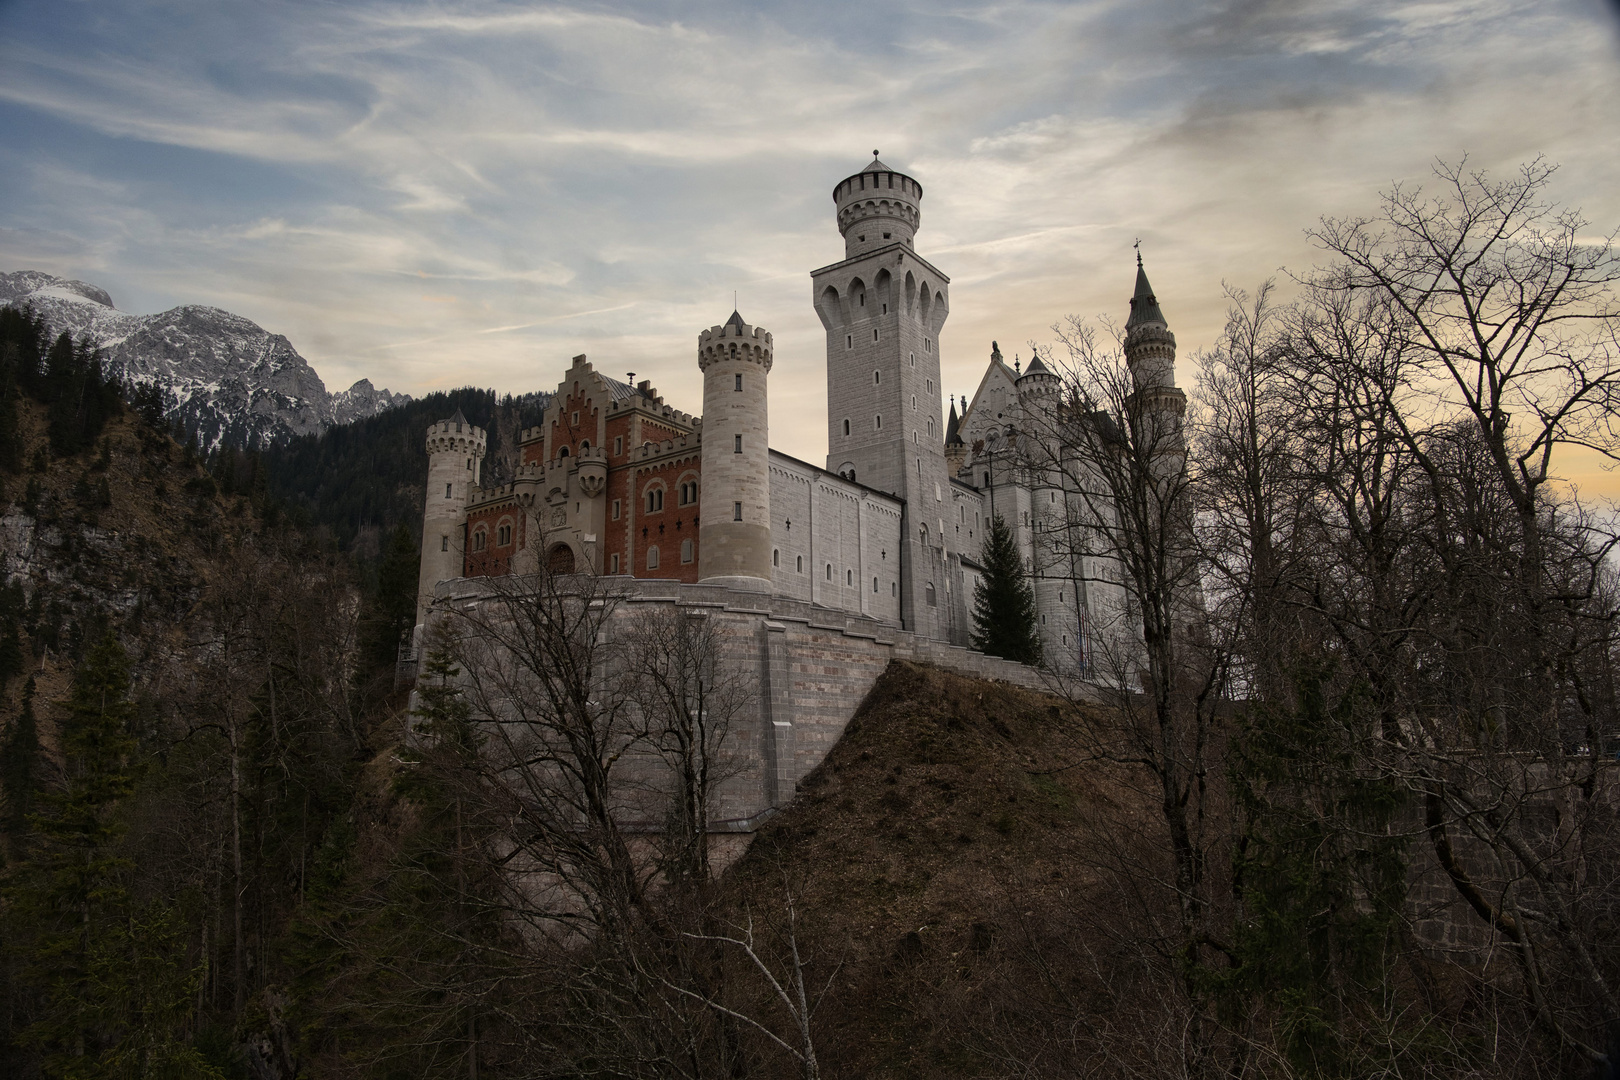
[(560, 559)]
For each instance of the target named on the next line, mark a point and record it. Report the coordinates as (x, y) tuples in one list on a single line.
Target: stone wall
[(810, 667)]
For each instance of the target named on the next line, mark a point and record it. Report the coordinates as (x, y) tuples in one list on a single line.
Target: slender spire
[(1144, 305), (953, 426)]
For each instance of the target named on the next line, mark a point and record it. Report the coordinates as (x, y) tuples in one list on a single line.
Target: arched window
[(686, 551), (655, 499), (776, 556), (928, 595), (652, 557), (846, 427), (800, 567), (584, 446), (562, 451), (829, 571), (503, 534), (479, 540), (874, 584), (849, 578), (560, 559), (922, 534)]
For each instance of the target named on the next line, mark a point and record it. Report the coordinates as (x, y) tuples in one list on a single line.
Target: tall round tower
[(734, 537), (877, 207), (455, 460)]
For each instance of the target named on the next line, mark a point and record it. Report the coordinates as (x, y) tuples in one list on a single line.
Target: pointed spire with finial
[(953, 426), (1144, 305)]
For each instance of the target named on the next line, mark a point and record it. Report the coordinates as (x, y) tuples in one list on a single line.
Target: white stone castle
[(886, 536)]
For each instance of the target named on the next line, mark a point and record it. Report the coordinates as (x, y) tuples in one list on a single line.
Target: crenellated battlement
[(736, 340)]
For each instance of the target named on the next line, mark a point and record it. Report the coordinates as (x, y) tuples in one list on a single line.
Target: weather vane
[(1138, 247)]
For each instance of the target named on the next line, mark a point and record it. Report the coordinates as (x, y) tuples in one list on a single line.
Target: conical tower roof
[(1144, 305), (1036, 367), (735, 320), (953, 427), (459, 420)]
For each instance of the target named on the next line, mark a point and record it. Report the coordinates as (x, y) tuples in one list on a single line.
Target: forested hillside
[(361, 480)]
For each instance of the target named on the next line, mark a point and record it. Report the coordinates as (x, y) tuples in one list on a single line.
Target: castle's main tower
[(734, 538), (455, 460), (883, 307)]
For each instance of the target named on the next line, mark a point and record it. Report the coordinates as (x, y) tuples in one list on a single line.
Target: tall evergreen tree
[(1003, 602)]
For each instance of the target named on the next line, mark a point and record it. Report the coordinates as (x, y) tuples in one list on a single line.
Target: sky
[(432, 195)]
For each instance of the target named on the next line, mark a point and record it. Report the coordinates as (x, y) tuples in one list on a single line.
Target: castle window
[(469, 464), (776, 556), (877, 377), (615, 509), (930, 386), (874, 333), (584, 446), (444, 543), (928, 595), (829, 571), (736, 511), (913, 359), (613, 563), (447, 488), (849, 578), (575, 421), (799, 567), (846, 427), (863, 295), (736, 444), (739, 383), (880, 421), (849, 341), (885, 306), (686, 551), (894, 588), (930, 425), (886, 235), (618, 445), (562, 452), (503, 535), (874, 584), (913, 401), (478, 540), (928, 345), (652, 557), (655, 500)]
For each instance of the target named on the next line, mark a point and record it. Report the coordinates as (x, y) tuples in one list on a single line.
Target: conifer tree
[(19, 772), (1003, 602), (71, 893)]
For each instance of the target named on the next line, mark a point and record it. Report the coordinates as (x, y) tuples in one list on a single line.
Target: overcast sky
[(436, 194)]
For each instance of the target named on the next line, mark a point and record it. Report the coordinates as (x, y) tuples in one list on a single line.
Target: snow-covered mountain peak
[(227, 378)]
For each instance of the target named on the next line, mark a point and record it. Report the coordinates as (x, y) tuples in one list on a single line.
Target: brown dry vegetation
[(955, 868)]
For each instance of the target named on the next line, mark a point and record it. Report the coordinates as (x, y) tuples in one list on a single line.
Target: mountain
[(226, 379)]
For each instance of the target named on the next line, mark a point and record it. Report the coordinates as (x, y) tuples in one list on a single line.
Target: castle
[(615, 481)]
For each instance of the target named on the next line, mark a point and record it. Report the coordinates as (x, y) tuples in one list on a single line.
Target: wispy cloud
[(442, 192)]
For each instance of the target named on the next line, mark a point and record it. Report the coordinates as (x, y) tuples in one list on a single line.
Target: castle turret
[(734, 535), (877, 207), (1150, 352), (455, 460), (1150, 347)]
